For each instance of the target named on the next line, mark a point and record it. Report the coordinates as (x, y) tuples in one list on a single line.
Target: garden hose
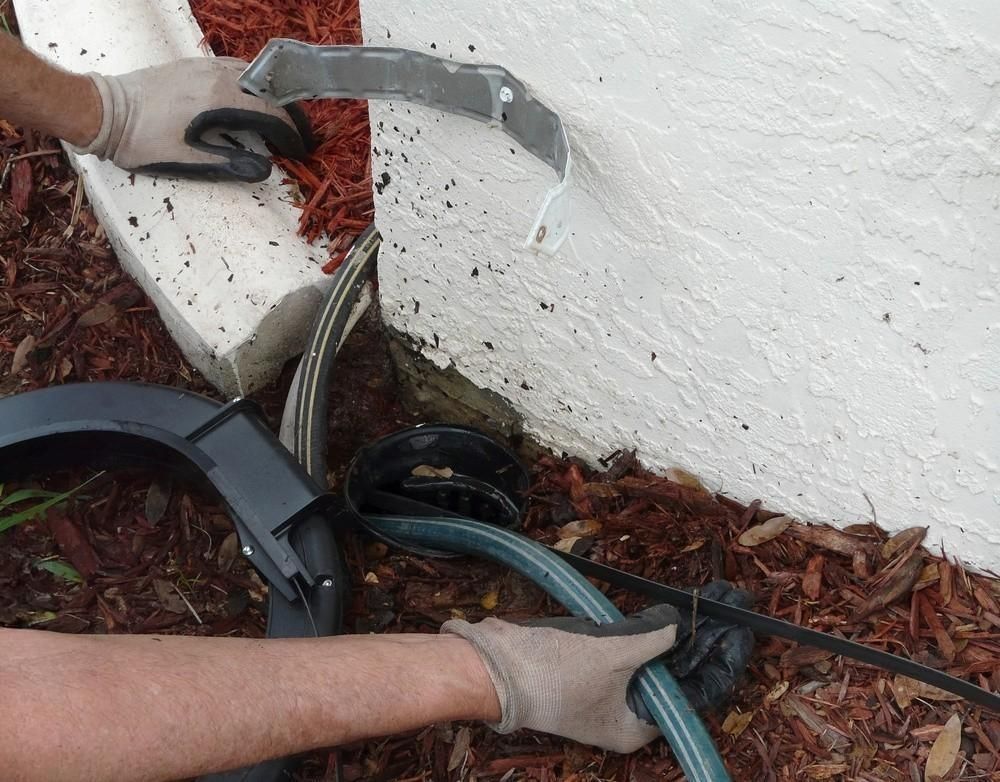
[(329, 329), (307, 402), (663, 697)]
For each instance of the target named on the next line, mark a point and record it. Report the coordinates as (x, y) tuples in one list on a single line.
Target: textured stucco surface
[(785, 269), (234, 284)]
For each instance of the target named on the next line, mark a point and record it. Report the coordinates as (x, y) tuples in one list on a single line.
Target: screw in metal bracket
[(248, 551), (506, 95)]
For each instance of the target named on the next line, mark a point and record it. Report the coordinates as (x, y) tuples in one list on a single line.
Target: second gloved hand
[(154, 121), (571, 677), (710, 657)]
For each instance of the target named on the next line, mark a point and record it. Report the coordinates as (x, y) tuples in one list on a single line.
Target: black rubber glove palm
[(155, 121), (709, 657)]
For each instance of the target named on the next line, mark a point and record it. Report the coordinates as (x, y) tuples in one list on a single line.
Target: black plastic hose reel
[(438, 470), (284, 520)]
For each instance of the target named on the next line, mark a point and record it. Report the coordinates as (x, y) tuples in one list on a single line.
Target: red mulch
[(157, 557), (335, 183), (802, 713)]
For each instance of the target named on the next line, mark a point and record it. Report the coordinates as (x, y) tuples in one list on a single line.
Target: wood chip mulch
[(155, 556), (801, 713), (334, 184)]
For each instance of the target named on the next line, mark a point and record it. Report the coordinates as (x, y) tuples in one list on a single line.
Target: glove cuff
[(492, 650), (114, 114)]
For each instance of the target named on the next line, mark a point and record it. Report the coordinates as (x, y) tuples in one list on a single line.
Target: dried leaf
[(100, 313), (580, 529), (490, 600), (830, 539), (229, 549), (894, 588), (460, 751), (157, 499), (906, 690), (565, 545), (762, 533), (168, 597), (693, 546), (371, 578), (902, 541), (776, 692), (684, 478), (944, 751), (24, 348), (929, 575), (735, 722), (428, 471)]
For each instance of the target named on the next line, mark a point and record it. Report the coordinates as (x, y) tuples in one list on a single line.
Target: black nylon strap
[(769, 626)]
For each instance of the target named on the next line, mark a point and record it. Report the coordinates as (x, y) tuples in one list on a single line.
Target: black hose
[(310, 434)]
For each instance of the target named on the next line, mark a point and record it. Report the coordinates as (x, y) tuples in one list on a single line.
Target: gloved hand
[(154, 120), (571, 679), (709, 657)]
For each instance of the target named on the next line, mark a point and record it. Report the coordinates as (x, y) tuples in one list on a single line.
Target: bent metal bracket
[(286, 71)]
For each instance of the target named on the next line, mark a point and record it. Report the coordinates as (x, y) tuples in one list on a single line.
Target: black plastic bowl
[(476, 478)]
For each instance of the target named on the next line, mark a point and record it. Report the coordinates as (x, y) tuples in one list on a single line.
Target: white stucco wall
[(785, 267)]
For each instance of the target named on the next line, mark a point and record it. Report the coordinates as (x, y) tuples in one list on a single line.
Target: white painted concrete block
[(784, 270), (236, 288)]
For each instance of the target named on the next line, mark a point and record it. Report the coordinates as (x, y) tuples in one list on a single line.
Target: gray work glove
[(154, 120), (571, 680)]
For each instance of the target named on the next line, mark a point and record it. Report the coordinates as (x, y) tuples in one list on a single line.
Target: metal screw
[(506, 95), (248, 551), (327, 582)]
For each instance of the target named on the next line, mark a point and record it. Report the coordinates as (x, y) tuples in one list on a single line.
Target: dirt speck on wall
[(755, 188)]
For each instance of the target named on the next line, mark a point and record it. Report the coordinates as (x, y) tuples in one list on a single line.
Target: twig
[(188, 604), (77, 205), (36, 153), (872, 506)]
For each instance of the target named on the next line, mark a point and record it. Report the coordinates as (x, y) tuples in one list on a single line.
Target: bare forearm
[(38, 95), (166, 707)]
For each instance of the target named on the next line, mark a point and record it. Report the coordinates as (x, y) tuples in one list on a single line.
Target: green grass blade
[(60, 569), (27, 494), (12, 520)]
